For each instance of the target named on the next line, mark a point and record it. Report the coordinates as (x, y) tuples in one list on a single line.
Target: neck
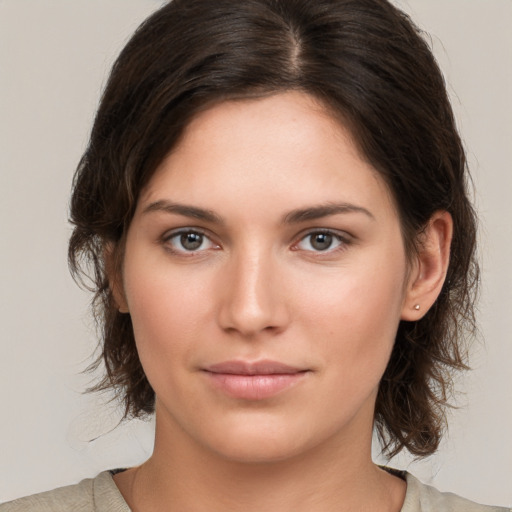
[(336, 476)]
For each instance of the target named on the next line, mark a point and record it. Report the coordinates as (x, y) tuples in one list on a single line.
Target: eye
[(189, 241), (320, 241)]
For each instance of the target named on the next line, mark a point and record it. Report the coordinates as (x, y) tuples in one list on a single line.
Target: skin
[(259, 288)]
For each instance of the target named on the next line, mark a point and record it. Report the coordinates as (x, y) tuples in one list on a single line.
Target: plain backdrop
[(54, 59)]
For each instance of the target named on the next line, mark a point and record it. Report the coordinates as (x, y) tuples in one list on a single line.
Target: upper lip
[(265, 367)]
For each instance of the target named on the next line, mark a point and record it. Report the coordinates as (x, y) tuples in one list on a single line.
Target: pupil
[(322, 241), (191, 241)]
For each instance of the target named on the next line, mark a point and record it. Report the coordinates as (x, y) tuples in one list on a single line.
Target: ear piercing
[(417, 307)]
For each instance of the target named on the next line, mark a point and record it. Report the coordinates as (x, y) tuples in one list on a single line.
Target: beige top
[(101, 494)]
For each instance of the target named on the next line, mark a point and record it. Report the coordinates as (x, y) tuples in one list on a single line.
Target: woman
[(273, 199)]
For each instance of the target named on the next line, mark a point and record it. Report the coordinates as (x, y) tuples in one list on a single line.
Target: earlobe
[(114, 276), (122, 306), (429, 270)]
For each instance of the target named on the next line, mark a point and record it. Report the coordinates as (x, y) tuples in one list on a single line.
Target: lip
[(254, 380)]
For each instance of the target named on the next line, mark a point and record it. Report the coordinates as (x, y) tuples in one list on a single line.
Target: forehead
[(280, 119), (283, 146)]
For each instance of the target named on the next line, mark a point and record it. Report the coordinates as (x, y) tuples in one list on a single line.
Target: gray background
[(54, 57)]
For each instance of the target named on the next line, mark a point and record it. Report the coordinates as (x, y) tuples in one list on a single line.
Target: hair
[(369, 65)]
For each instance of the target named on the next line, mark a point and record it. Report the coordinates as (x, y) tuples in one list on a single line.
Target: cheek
[(354, 315), (168, 310)]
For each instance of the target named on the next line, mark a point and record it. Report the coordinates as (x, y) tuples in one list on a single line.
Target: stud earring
[(417, 307)]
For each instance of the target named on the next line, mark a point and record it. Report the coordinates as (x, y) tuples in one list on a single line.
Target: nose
[(253, 299)]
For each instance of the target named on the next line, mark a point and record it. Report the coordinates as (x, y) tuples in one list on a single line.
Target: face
[(264, 273)]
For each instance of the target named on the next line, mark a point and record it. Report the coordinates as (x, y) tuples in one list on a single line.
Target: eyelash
[(168, 237), (342, 241)]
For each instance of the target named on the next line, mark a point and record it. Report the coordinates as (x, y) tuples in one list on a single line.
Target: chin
[(259, 443), (258, 450)]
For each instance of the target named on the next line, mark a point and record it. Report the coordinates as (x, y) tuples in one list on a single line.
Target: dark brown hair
[(369, 65)]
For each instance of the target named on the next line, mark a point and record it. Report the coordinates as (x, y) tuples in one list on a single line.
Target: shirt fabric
[(101, 494)]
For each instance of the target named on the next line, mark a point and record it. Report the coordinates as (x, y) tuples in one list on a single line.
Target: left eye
[(189, 241), (320, 241)]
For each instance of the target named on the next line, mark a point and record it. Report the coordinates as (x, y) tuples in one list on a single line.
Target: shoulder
[(424, 498), (77, 497), (90, 495)]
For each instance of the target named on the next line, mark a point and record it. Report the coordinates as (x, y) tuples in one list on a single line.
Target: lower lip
[(254, 387)]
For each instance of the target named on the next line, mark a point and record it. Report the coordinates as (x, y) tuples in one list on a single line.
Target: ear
[(429, 269), (114, 276)]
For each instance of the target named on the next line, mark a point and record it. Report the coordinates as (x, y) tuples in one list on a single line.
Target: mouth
[(254, 381)]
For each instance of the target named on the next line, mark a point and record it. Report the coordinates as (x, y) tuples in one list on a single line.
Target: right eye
[(189, 241)]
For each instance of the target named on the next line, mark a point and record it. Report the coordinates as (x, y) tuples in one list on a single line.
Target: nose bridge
[(253, 301)]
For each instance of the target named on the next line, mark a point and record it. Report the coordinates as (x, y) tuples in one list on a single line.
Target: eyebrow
[(317, 212), (293, 217), (185, 210)]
